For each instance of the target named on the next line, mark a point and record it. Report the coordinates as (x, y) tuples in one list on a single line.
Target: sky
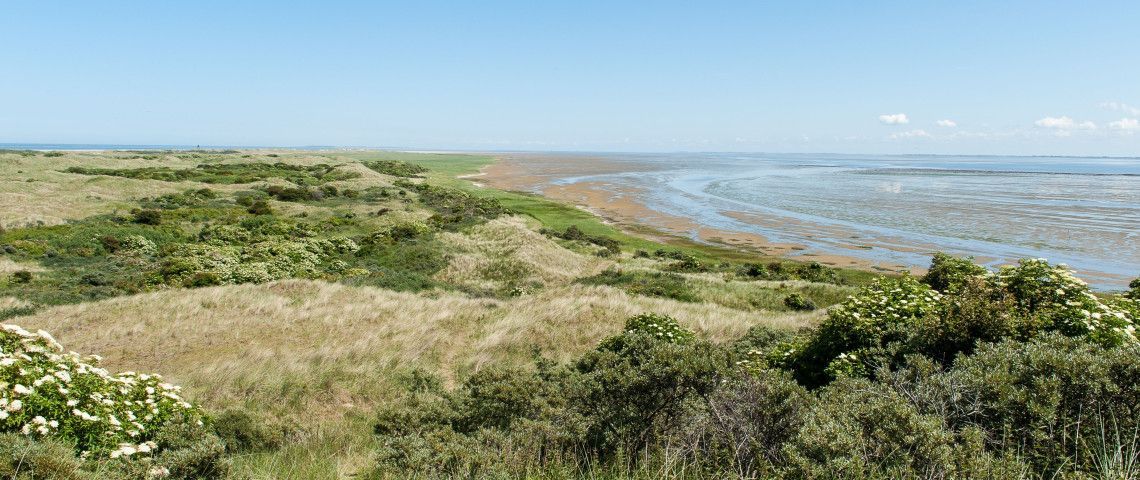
[(1009, 77)]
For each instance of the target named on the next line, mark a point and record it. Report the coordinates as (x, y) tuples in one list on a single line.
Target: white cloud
[(894, 119), (910, 134), (1064, 123), (947, 123), (1121, 107), (1125, 124)]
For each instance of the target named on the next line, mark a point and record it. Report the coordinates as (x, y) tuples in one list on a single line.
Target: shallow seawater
[(1081, 211)]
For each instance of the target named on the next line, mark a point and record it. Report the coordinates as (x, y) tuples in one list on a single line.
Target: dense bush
[(229, 173), (947, 272), (811, 272), (650, 284), (396, 168), (54, 394), (573, 233), (896, 317), (797, 302), (455, 209)]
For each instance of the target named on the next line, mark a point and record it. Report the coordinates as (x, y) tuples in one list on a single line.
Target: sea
[(1080, 211)]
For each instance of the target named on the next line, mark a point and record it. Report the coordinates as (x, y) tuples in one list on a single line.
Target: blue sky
[(1005, 77)]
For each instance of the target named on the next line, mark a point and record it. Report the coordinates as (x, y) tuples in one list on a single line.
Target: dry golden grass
[(35, 189), (8, 266), (485, 256), (10, 302), (314, 351)]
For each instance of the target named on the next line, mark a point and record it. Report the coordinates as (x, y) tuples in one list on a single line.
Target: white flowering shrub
[(47, 393), (137, 245), (259, 262), (1063, 302), (893, 318), (660, 326)]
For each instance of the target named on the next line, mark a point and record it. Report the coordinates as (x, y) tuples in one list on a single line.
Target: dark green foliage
[(650, 284), (189, 452), (291, 194), (22, 457), (688, 263), (797, 302), (189, 198), (1048, 399), (455, 209), (53, 154), (947, 273), (859, 429), (21, 276), (811, 272), (635, 388), (260, 207), (401, 266), (573, 233), (229, 173), (148, 217), (396, 168), (628, 393), (242, 432), (1134, 287)]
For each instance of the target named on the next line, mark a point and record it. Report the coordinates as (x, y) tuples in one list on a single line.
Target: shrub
[(860, 429), (21, 276), (148, 217), (290, 194), (687, 263), (634, 388), (242, 432), (1050, 399), (797, 302), (884, 312), (396, 168), (260, 207), (573, 233), (661, 327), (1059, 301), (400, 232), (229, 173), (650, 284), (946, 272), (58, 395), (455, 209), (748, 422)]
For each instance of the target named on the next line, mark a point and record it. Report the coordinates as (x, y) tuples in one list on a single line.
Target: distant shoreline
[(595, 183)]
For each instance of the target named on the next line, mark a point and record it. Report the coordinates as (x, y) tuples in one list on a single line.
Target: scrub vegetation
[(368, 314)]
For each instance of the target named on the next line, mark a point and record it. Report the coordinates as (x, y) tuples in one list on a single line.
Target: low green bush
[(947, 273), (396, 168), (229, 173), (573, 233), (455, 209), (649, 284), (797, 302)]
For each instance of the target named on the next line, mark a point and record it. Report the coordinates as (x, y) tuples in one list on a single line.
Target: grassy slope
[(315, 357)]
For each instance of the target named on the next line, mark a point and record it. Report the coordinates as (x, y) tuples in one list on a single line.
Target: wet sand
[(623, 207)]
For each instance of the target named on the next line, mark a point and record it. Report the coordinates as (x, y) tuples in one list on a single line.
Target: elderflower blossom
[(45, 392)]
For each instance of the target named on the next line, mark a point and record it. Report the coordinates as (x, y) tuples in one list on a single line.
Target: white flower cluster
[(1055, 293), (44, 391), (888, 300)]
